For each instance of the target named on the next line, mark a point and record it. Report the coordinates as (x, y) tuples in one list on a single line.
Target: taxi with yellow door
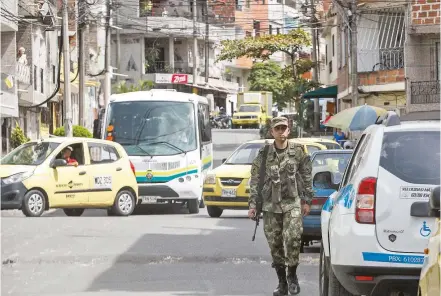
[(430, 277), (68, 173), (228, 186)]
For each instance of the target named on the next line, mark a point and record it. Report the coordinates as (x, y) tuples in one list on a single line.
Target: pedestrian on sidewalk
[(287, 181)]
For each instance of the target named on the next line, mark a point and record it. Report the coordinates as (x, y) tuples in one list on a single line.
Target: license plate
[(228, 192), (149, 199)]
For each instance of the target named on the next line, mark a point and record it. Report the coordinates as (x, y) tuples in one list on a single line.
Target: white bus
[(167, 136)]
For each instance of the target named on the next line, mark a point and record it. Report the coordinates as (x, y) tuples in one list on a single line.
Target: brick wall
[(381, 77), (225, 11), (425, 12)]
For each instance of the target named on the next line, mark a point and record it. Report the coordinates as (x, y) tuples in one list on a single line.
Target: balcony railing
[(23, 73), (425, 92), (165, 67)]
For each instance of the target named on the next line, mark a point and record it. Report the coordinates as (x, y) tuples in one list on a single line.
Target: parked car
[(227, 186), (330, 144), (36, 177), (430, 282), (375, 228), (334, 161)]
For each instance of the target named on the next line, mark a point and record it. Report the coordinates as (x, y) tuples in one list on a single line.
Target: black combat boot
[(282, 288), (293, 282)]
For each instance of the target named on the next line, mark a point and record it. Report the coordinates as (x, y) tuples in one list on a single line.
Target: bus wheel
[(193, 206)]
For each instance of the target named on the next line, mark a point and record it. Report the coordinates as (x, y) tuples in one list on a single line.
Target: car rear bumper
[(12, 195), (312, 227), (384, 278)]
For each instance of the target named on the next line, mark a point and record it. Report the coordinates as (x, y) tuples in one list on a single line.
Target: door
[(71, 183), (107, 173), (409, 169)]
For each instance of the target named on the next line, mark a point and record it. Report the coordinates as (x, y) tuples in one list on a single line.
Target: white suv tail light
[(365, 201)]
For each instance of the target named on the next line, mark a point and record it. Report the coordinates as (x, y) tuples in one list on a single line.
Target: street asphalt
[(161, 250)]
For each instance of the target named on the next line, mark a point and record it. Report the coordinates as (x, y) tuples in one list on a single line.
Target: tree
[(267, 76), (142, 85), (264, 46)]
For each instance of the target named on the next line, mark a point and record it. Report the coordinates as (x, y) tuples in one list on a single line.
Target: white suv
[(376, 226)]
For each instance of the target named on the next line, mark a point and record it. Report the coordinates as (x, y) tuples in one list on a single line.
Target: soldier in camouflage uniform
[(288, 172)]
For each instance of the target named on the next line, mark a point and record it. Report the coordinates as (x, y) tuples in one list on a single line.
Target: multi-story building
[(8, 65), (156, 44), (380, 54), (37, 46), (422, 58)]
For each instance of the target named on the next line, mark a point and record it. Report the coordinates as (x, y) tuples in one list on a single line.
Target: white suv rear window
[(414, 156)]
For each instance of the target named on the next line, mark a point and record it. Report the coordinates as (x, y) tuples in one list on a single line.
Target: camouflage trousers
[(283, 232)]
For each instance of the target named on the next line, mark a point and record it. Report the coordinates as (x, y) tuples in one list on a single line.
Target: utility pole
[(82, 63), (118, 45), (315, 72), (195, 46), (66, 60), (354, 54), (207, 43), (107, 74)]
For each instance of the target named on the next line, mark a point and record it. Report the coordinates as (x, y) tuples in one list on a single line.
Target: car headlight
[(17, 177), (210, 179)]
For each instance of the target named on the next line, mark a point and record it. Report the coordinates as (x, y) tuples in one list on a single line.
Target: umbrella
[(356, 118)]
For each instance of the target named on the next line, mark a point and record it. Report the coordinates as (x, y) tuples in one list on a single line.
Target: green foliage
[(18, 137), (143, 85), (264, 46), (78, 131), (267, 76)]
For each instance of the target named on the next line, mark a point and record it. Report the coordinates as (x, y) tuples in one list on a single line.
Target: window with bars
[(381, 37)]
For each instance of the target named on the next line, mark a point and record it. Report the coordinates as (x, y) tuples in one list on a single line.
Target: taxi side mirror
[(59, 163)]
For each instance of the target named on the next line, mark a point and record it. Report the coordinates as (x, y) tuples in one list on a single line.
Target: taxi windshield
[(245, 154), (33, 153)]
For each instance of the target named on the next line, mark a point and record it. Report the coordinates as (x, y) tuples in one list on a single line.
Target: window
[(102, 153), (326, 53), (413, 157), (278, 31), (35, 77), (77, 153), (41, 81), (333, 45), (248, 3), (356, 159), (204, 122), (270, 30), (53, 74)]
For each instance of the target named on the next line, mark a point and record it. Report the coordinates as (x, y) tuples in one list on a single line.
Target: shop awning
[(322, 93)]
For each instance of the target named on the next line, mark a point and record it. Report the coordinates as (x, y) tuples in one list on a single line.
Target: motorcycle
[(222, 122)]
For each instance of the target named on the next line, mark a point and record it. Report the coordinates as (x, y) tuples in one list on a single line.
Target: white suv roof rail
[(389, 119)]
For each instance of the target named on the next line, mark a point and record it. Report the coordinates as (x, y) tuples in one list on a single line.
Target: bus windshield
[(153, 128)]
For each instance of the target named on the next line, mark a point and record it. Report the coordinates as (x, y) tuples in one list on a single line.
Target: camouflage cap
[(276, 121)]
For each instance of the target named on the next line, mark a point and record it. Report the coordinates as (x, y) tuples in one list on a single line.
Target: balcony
[(425, 92), (23, 73), (165, 67)]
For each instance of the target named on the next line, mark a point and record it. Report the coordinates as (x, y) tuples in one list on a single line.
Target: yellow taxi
[(430, 283), (68, 173), (227, 186), (330, 144)]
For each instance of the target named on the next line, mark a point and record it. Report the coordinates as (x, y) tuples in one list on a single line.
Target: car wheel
[(34, 203), (334, 286), (193, 206), (73, 212), (214, 212), (323, 273), (124, 204)]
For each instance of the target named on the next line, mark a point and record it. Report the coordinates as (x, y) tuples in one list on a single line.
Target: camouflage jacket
[(287, 174)]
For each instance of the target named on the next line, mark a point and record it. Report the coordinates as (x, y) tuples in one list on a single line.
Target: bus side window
[(205, 117)]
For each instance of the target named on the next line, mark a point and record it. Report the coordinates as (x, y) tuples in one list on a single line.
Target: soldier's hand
[(251, 213), (306, 209)]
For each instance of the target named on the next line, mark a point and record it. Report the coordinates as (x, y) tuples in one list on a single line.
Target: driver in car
[(66, 156)]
